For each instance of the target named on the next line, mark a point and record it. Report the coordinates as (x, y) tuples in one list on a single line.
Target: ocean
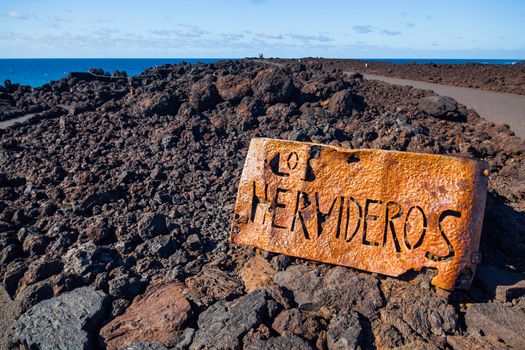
[(38, 71)]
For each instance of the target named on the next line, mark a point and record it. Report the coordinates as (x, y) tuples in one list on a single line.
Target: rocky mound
[(495, 77), (122, 192)]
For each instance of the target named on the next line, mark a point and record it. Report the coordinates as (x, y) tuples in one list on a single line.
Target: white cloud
[(16, 15)]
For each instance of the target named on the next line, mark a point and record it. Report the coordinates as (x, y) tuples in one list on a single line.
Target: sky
[(276, 28)]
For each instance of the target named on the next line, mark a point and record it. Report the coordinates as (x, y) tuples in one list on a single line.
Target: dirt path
[(10, 122), (8, 314), (496, 107)]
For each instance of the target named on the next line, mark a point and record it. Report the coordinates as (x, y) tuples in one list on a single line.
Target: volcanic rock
[(340, 288), (288, 341), (469, 342), (497, 321), (248, 111), (156, 159), (233, 88), (30, 295), (212, 284), (160, 104), (99, 232), (155, 316), (344, 332), (99, 199), (151, 225), (501, 284), (162, 246), (41, 269), (125, 287), (223, 324), (256, 273), (305, 324), (142, 345), (273, 85), (67, 321), (35, 244), (204, 95), (14, 272), (341, 103), (414, 311), (438, 106)]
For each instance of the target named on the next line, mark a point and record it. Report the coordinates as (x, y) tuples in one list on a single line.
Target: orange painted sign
[(380, 211)]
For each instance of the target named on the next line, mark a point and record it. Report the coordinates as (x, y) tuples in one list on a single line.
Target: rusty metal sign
[(380, 211)]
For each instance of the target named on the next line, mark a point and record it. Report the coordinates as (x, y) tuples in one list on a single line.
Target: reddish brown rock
[(233, 87), (272, 86), (160, 104), (256, 273), (304, 324), (157, 315), (204, 95), (212, 284), (341, 103)]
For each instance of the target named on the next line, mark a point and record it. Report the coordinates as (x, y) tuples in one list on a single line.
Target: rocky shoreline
[(116, 201)]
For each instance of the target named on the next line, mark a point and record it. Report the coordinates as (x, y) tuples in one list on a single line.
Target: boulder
[(204, 95), (224, 324), (416, 311), (273, 85), (438, 106), (41, 269), (158, 315), (35, 244), (341, 103), (233, 88), (99, 232), (339, 289), (68, 321)]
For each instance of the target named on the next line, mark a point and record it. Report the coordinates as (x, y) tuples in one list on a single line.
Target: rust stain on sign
[(379, 211)]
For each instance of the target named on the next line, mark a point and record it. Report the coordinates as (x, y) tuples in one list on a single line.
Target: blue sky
[(284, 28)]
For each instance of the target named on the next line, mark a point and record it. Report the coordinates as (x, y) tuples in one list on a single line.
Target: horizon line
[(254, 57)]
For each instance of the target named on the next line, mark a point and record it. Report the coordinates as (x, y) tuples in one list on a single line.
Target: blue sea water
[(38, 71)]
